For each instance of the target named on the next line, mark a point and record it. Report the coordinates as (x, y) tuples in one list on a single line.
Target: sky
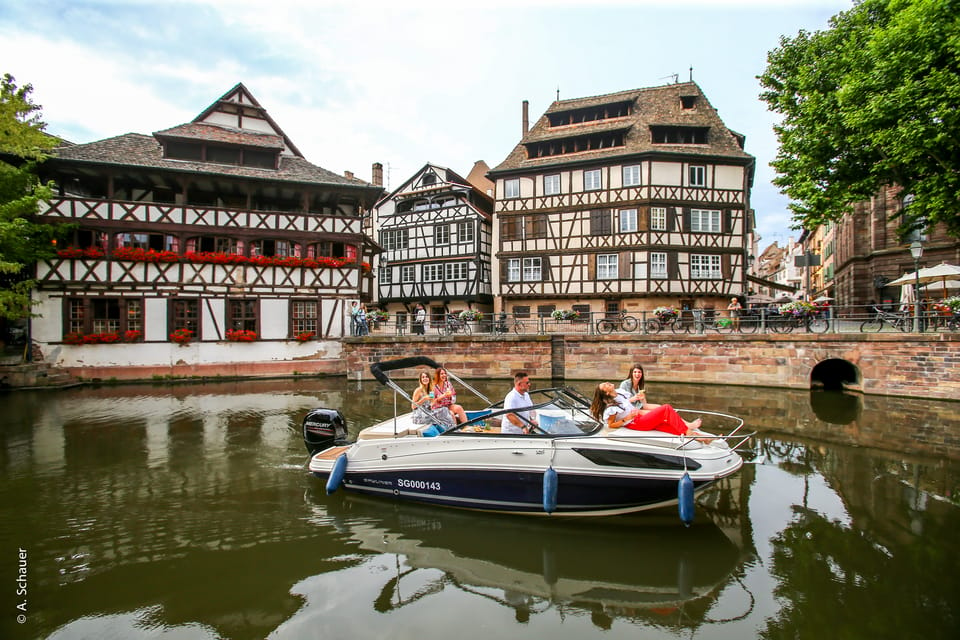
[(401, 82)]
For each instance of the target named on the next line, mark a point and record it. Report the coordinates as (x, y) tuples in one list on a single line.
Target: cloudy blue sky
[(404, 82)]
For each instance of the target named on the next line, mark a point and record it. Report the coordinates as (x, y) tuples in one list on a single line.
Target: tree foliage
[(870, 102), (23, 144)]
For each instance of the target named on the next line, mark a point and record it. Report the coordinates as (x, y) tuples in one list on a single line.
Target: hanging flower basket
[(564, 314), (377, 316), (798, 309), (241, 335), (468, 315), (182, 336), (666, 313)]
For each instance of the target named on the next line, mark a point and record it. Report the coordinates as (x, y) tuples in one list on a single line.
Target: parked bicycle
[(683, 322), (787, 322), (747, 322), (620, 321), (453, 324), (501, 326), (895, 319)]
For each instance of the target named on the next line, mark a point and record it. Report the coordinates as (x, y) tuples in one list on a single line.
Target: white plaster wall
[(727, 177), (155, 319), (273, 318), (666, 174)]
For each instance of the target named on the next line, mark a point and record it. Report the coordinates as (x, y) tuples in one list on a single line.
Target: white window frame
[(513, 270), (658, 218), (628, 220), (408, 273), (464, 232), (705, 221), (592, 179), (386, 275), (455, 271), (658, 265), (705, 267), (441, 234), (608, 266), (432, 272), (551, 184), (631, 175), (394, 239), (511, 188), (532, 269), (697, 175)]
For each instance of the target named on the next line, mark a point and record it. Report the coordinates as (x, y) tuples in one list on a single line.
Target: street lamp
[(916, 250)]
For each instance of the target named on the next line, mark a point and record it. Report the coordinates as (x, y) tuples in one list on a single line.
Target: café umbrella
[(941, 273)]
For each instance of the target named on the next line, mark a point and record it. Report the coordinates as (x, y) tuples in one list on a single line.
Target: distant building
[(435, 231), (197, 233), (624, 201)]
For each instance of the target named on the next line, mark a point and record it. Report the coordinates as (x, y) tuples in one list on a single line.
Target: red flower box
[(241, 335)]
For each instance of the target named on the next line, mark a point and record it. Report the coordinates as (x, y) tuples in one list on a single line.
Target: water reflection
[(186, 511)]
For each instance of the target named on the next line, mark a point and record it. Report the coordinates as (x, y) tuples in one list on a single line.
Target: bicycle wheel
[(818, 325), (606, 326), (679, 326), (444, 329), (723, 325), (518, 327), (873, 325), (749, 325), (629, 323), (465, 328), (653, 326), (780, 325)]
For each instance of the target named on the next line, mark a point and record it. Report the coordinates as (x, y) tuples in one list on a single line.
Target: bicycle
[(786, 323), (747, 322), (899, 321), (453, 325), (500, 327), (621, 320), (676, 323)]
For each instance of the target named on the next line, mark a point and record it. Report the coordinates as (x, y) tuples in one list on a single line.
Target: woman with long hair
[(445, 395), (634, 388), (614, 411), (424, 411)]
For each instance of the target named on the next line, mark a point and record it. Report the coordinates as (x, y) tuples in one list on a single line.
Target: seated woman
[(446, 396), (424, 411), (614, 410), (633, 387)]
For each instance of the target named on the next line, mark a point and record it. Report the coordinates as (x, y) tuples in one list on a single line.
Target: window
[(271, 248), (395, 239), (513, 270), (584, 312), (511, 228), (535, 226), (455, 271), (705, 220), (408, 273), (704, 267), (303, 316), (185, 314), (551, 184), (600, 222), (216, 244), (155, 241), (441, 234), (658, 265), (688, 102), (531, 269), (464, 232), (521, 312), (103, 315), (242, 315), (330, 249), (607, 267), (697, 176), (631, 175), (658, 218), (511, 188), (386, 275), (671, 134), (628, 220), (432, 272), (591, 180)]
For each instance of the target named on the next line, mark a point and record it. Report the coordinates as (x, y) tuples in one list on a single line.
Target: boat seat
[(385, 431), (658, 438)]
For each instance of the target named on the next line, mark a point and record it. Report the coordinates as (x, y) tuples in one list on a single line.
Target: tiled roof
[(228, 135), (651, 106), (142, 151)]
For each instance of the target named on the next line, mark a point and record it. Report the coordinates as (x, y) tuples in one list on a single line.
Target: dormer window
[(688, 102), (220, 154), (678, 134)]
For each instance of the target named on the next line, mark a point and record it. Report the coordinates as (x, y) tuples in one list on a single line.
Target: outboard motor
[(324, 428)]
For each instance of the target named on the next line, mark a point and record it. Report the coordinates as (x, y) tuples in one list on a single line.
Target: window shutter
[(545, 269), (725, 266), (685, 212), (643, 218), (503, 270), (623, 264), (727, 221), (592, 267), (673, 266), (671, 219)]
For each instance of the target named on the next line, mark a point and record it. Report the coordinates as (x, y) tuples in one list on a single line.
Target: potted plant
[(182, 336), (470, 315), (564, 314), (241, 335), (665, 314), (377, 316), (304, 336)]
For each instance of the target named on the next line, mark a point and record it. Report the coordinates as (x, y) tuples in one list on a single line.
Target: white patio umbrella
[(940, 273), (823, 299)]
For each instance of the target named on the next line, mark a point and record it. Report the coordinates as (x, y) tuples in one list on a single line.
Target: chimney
[(377, 173), (348, 175), (526, 116)]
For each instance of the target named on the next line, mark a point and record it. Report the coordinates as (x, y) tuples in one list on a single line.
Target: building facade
[(435, 231), (198, 237), (623, 202)]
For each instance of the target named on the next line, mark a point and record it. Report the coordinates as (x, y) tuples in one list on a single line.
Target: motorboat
[(568, 465)]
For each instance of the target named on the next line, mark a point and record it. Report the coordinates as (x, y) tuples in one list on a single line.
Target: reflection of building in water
[(631, 567)]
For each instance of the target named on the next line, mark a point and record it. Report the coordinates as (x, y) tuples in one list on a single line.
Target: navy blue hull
[(515, 491)]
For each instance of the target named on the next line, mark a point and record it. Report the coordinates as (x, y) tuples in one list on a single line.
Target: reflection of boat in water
[(634, 566), (568, 463)]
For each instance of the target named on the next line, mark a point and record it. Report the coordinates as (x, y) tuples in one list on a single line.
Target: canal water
[(184, 512)]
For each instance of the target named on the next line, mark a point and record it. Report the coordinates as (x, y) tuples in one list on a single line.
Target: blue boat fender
[(550, 490), (337, 473), (685, 499)]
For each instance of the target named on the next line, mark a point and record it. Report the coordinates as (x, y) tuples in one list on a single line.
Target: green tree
[(23, 144), (869, 102)]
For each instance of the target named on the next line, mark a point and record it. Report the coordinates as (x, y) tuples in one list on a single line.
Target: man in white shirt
[(518, 398)]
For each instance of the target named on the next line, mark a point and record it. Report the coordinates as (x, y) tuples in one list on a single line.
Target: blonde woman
[(424, 409)]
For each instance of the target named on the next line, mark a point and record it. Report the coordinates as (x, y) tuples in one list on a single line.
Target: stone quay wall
[(923, 366)]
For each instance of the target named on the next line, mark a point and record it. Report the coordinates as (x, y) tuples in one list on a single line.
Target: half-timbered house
[(624, 201), (436, 237), (210, 242)]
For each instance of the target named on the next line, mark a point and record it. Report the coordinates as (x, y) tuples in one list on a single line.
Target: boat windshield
[(560, 411)]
